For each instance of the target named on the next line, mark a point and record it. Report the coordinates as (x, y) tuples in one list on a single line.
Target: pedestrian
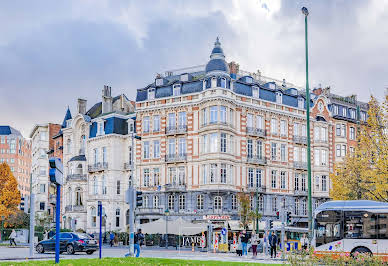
[(244, 242), (239, 246), (138, 240), (111, 238), (254, 242), (273, 241), (304, 242), (12, 238)]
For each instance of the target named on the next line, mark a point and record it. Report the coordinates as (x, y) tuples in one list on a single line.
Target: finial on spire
[(217, 43)]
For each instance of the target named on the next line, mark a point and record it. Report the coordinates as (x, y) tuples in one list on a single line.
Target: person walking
[(138, 240), (254, 242), (304, 242), (12, 238), (111, 238), (273, 241), (244, 242)]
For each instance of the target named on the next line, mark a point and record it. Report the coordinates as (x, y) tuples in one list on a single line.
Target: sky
[(54, 52)]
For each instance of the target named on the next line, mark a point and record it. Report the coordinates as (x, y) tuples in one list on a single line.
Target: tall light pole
[(310, 219)]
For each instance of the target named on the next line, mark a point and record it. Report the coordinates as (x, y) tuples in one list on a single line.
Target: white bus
[(351, 226)]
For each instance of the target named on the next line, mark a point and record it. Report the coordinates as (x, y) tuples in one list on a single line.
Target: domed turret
[(217, 63)]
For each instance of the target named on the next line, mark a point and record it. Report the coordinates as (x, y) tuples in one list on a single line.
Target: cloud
[(54, 52)]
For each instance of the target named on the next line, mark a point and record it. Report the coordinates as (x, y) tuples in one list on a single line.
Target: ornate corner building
[(210, 133)]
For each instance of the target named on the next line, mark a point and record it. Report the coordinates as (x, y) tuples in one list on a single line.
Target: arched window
[(223, 83), (78, 197), (82, 144), (94, 216), (156, 201), (103, 185), (214, 82), (217, 203), (95, 186), (79, 169), (200, 202), (145, 202), (117, 217)]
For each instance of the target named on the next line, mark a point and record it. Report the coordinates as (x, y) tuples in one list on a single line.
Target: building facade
[(15, 150), (214, 132), (96, 156)]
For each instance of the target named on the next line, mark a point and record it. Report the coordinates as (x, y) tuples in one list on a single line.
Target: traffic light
[(22, 204), (56, 171), (139, 199), (288, 217), (277, 215), (270, 224)]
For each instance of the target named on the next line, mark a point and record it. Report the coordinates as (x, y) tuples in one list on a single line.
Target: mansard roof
[(7, 130), (96, 109)]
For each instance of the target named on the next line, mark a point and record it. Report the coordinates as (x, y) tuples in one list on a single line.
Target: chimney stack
[(81, 106), (107, 101)]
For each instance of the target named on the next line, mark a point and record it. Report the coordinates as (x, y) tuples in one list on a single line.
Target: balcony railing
[(300, 139), (76, 177), (75, 208), (172, 130), (174, 158), (259, 132), (257, 160), (128, 166), (97, 167), (300, 192), (149, 211), (175, 187), (252, 188), (300, 165), (216, 123)]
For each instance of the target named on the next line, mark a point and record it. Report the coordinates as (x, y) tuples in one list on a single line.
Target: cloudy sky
[(53, 52)]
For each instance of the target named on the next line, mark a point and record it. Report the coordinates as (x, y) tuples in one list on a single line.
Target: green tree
[(247, 215), (9, 192)]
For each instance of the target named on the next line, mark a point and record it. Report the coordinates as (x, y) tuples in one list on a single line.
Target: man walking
[(12, 238), (244, 242), (111, 238), (138, 241), (273, 241)]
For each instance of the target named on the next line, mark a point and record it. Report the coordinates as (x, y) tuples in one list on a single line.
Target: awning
[(175, 227), (235, 225)]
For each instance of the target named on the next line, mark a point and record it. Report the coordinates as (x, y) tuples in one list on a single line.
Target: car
[(70, 243)]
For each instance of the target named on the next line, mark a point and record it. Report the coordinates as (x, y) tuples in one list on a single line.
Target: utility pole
[(310, 214), (283, 232), (100, 235), (257, 208), (32, 218)]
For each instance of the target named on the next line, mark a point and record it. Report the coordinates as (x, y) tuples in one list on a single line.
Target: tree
[(44, 220), (19, 219), (364, 174), (247, 216), (9, 192)]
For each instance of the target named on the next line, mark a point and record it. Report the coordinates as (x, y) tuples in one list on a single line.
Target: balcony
[(258, 189), (75, 208), (175, 158), (173, 130), (217, 123), (300, 165), (97, 167), (149, 211), (258, 132), (128, 166), (76, 177), (300, 140), (257, 160), (175, 187), (300, 192)]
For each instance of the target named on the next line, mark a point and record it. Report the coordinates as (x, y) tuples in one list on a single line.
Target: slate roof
[(67, 117), (96, 109), (78, 158), (7, 130), (112, 125)]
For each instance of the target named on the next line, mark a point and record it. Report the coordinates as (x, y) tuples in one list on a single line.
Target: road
[(20, 254)]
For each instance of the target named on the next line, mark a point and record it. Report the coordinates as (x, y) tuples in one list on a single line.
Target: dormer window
[(352, 114), (185, 77), (223, 83), (214, 82), (344, 112), (176, 90), (68, 123), (272, 86), (248, 79), (255, 92), (159, 82), (335, 109), (300, 102), (151, 94), (100, 128), (279, 97)]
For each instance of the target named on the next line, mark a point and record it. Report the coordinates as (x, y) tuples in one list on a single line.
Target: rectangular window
[(316, 157), (343, 130), (344, 112), (204, 173), (304, 130), (296, 207), (259, 122), (205, 146), (352, 133), (42, 206), (283, 128), (250, 120), (296, 129), (146, 149), (316, 133), (283, 152), (296, 154), (146, 124), (182, 147), (95, 151), (296, 182), (338, 150), (104, 155), (204, 116), (223, 114), (118, 190), (42, 188), (273, 151), (43, 136), (176, 90), (274, 126), (213, 172), (156, 124), (282, 180), (258, 177), (172, 175), (249, 148), (324, 183), (146, 177), (335, 109), (171, 121), (255, 92), (223, 142), (259, 146), (323, 157), (343, 151), (182, 120), (274, 204), (156, 177), (171, 146), (156, 149), (303, 182), (223, 173), (250, 177), (273, 178), (213, 114), (213, 142), (231, 117), (304, 155), (324, 133), (338, 130)]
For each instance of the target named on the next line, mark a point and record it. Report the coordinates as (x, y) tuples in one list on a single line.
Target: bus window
[(360, 224), (382, 225), (328, 227)]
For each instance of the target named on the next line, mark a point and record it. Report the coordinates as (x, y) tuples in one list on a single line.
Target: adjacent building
[(15, 150)]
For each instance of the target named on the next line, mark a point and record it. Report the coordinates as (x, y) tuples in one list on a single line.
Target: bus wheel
[(361, 250)]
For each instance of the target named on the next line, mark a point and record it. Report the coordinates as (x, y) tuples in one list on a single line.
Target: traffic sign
[(223, 231)]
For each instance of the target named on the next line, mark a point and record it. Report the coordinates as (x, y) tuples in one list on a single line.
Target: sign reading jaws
[(216, 217)]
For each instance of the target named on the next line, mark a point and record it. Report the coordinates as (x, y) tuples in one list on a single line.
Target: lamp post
[(100, 233), (166, 212), (257, 208), (310, 215)]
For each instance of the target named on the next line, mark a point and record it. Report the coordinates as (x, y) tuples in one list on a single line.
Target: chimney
[(107, 101), (234, 67), (81, 106)]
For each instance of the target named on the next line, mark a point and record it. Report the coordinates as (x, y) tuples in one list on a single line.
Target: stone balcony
[(176, 158), (258, 132), (300, 165), (175, 187), (149, 211), (97, 167), (76, 177), (300, 192), (257, 160), (261, 189), (173, 130), (300, 139), (75, 208)]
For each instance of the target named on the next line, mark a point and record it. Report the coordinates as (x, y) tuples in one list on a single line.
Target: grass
[(131, 261)]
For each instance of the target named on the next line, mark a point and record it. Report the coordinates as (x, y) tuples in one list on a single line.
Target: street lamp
[(310, 217), (166, 212)]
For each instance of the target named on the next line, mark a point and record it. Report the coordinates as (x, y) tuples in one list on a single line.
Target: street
[(20, 254)]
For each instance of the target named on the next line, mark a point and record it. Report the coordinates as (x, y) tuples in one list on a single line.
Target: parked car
[(69, 243)]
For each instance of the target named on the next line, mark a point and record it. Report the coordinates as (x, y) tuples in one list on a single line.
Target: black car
[(69, 242)]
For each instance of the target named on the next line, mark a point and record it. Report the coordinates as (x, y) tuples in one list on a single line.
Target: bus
[(351, 227)]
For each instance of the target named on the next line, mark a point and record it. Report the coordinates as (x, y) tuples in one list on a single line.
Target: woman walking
[(254, 242)]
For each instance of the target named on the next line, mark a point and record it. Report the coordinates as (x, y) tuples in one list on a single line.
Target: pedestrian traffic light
[(139, 199), (288, 217), (277, 215), (270, 224)]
